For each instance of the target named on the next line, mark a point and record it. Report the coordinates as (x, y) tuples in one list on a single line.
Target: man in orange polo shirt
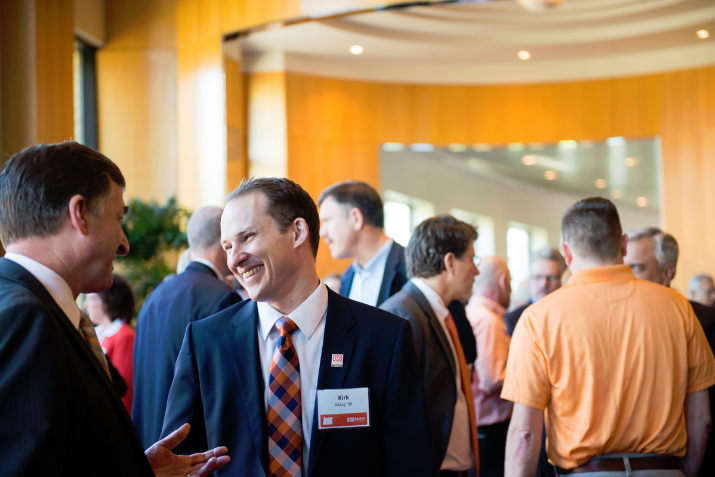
[(618, 366)]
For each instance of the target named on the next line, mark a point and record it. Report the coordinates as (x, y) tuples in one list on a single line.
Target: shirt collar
[(610, 273), (435, 301), (375, 262), (307, 315), (57, 287), (208, 264)]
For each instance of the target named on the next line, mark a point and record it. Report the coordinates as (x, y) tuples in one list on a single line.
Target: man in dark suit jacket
[(653, 255), (353, 227), (440, 260), (270, 232), (195, 293), (61, 207)]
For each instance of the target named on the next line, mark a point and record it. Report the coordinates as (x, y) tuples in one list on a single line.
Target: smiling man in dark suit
[(61, 209), (297, 380), (195, 293)]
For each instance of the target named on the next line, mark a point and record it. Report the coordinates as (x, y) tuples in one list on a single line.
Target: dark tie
[(466, 387), (87, 329), (285, 430)]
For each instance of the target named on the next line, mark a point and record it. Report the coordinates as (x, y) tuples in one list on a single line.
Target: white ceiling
[(476, 42)]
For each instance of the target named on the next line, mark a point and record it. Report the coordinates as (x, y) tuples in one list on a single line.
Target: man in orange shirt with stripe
[(619, 367)]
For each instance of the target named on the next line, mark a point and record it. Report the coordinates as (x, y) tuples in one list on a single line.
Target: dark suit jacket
[(436, 361), (193, 294), (218, 387), (59, 414), (393, 279), (512, 317), (706, 316)]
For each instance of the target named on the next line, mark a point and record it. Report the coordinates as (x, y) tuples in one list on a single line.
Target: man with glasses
[(546, 268)]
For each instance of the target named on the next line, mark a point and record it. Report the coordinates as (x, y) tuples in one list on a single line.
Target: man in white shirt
[(440, 263), (297, 380), (61, 209), (352, 225)]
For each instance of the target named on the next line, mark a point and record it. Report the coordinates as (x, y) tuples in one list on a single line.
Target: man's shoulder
[(244, 309), (405, 299), (365, 316)]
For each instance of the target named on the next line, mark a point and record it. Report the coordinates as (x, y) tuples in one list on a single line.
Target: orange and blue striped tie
[(285, 429)]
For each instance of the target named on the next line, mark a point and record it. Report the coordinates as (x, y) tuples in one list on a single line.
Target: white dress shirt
[(57, 287), (460, 454), (367, 280), (308, 342)]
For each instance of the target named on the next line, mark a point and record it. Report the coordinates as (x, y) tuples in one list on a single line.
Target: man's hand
[(165, 463)]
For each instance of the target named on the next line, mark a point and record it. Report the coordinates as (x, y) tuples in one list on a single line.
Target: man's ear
[(624, 245), (568, 256), (300, 232), (356, 218), (448, 261), (78, 212), (668, 274)]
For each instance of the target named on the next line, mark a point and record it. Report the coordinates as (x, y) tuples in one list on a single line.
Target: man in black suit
[(440, 262), (354, 405), (195, 293), (653, 255), (61, 209), (352, 224)]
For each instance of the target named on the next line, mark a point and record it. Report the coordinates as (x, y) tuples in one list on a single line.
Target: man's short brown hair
[(592, 229)]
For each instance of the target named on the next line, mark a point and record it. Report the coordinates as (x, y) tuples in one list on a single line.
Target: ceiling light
[(615, 141), (523, 55), (392, 147), (641, 201), (568, 144), (631, 162), (528, 160), (422, 147), (550, 175), (457, 147), (538, 5), (600, 183), (616, 194), (357, 49), (702, 34)]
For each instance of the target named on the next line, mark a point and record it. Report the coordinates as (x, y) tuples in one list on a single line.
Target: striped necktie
[(466, 388), (87, 329), (285, 430)]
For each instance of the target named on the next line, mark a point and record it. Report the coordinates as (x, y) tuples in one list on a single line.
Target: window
[(484, 246), (402, 214), (85, 94)]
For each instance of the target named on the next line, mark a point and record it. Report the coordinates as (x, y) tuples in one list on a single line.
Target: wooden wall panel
[(335, 128)]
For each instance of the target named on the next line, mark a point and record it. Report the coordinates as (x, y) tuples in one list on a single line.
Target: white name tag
[(339, 408)]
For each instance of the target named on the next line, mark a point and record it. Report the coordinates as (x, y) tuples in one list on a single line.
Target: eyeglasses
[(548, 278)]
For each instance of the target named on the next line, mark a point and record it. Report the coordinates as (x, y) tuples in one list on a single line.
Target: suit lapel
[(434, 323), (338, 339), (248, 364), (19, 274), (393, 260)]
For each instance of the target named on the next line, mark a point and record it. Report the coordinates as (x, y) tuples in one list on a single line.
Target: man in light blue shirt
[(352, 224)]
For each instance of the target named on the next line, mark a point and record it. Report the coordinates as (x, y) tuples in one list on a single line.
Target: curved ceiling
[(477, 42)]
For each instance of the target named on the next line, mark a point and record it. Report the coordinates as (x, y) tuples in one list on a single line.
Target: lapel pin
[(336, 361)]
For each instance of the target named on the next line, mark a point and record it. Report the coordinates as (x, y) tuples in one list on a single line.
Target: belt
[(618, 463)]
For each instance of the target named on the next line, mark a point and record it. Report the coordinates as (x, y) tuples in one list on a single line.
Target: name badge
[(341, 408)]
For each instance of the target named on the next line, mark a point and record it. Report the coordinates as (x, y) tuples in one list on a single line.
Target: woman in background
[(111, 311)]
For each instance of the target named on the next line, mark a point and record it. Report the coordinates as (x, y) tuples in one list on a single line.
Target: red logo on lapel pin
[(336, 361)]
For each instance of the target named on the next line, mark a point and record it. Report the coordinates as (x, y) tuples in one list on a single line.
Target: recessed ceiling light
[(616, 141), (482, 147), (641, 201), (528, 160), (702, 34), (600, 183), (568, 144), (616, 194), (422, 147), (357, 49), (457, 147), (392, 147), (524, 55), (550, 175), (631, 161)]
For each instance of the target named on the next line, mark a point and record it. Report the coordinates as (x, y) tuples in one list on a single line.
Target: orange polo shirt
[(610, 359)]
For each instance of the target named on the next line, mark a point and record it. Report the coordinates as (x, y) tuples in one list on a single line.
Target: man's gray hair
[(548, 253), (666, 247), (204, 228), (695, 282)]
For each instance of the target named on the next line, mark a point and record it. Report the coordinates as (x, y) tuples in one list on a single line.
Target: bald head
[(493, 281), (701, 289)]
